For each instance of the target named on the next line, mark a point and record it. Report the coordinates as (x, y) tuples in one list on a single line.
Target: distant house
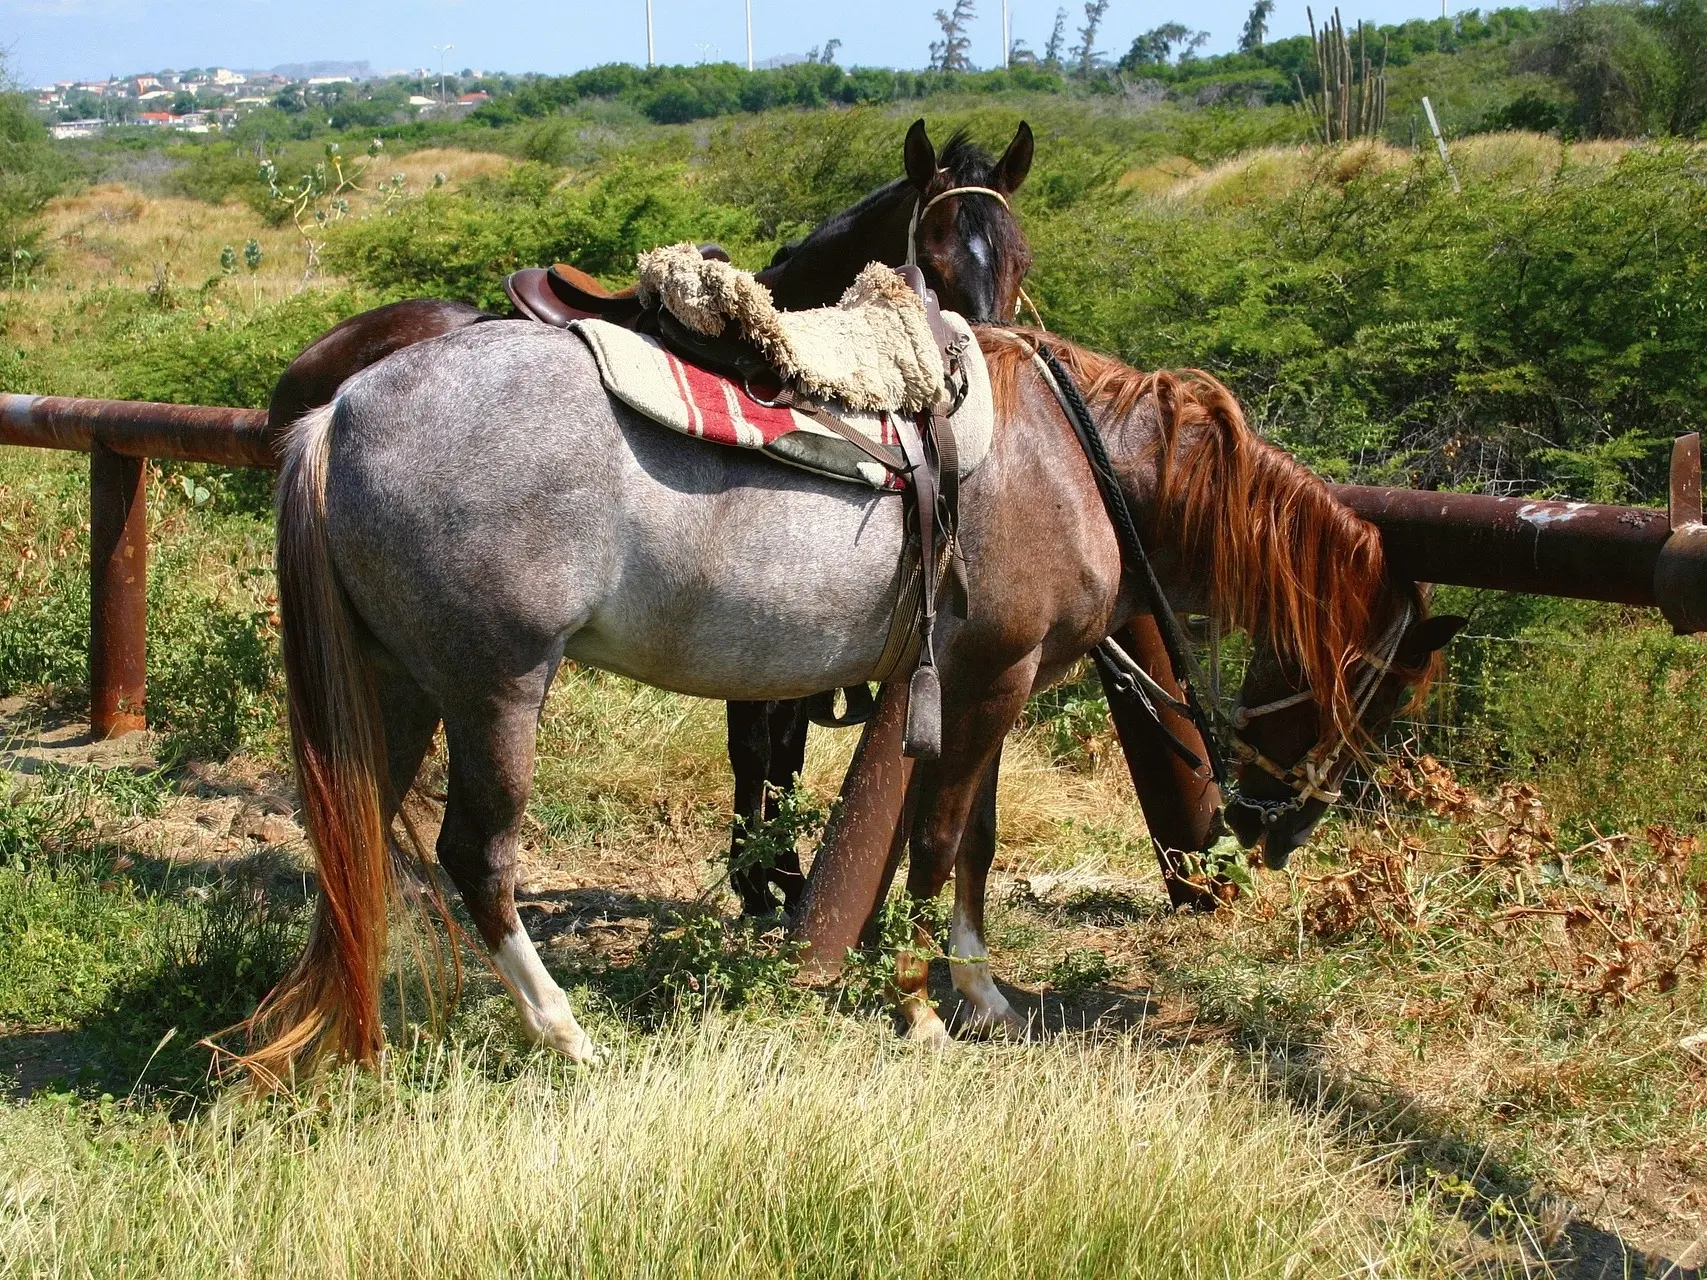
[(474, 99), (155, 117), (76, 128), (152, 94), (225, 75), (416, 100), (314, 80), (143, 84)]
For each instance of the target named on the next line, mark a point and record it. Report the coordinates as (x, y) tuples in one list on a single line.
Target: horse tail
[(328, 1005)]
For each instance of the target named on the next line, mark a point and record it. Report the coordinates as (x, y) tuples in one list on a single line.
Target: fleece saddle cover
[(874, 350), (655, 382)]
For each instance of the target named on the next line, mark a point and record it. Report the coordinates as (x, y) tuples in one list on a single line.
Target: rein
[(1136, 562)]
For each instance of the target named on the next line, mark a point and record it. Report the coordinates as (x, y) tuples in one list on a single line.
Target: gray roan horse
[(950, 213), (475, 509)]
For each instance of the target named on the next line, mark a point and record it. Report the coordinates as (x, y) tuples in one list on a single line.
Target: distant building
[(225, 75), (315, 80), (76, 128), (155, 117), (153, 94), (416, 100), (474, 99)]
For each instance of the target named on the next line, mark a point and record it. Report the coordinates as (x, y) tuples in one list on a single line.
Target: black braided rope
[(1134, 558)]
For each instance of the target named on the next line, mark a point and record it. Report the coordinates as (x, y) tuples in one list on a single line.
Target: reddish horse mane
[(1285, 560)]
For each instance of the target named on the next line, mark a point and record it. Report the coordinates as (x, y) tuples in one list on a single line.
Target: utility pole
[(650, 61), (442, 49), (1007, 43), (750, 33)]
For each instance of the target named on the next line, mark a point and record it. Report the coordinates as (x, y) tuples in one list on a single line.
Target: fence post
[(118, 592)]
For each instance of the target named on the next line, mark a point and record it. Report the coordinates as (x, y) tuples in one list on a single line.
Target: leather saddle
[(561, 294)]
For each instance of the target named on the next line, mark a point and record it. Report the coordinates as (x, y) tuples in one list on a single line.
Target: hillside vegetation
[(1460, 1035)]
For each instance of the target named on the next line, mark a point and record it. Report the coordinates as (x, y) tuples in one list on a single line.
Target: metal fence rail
[(119, 436), (1629, 555)]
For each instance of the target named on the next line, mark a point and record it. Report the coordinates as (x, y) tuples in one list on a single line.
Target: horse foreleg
[(491, 776), (788, 728), (749, 758), (969, 955), (767, 751)]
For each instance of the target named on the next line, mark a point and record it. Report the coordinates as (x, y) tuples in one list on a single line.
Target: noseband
[(1309, 778)]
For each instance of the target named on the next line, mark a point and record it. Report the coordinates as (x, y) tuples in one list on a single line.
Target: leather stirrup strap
[(923, 739)]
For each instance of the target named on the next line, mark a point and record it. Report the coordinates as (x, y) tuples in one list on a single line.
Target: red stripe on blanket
[(717, 409)]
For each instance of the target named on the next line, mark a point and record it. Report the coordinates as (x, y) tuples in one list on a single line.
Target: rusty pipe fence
[(120, 436), (1627, 555)]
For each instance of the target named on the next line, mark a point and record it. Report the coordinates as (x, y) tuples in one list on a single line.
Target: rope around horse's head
[(921, 207)]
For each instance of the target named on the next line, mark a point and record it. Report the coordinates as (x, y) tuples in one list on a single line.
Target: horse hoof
[(929, 1030), (573, 1043)]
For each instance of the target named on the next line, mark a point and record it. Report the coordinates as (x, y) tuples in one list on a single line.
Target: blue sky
[(50, 40)]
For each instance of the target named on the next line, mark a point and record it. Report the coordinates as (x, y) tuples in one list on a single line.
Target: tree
[(1057, 40), (31, 174), (1256, 26), (1156, 46), (949, 53), (829, 54), (1085, 52)]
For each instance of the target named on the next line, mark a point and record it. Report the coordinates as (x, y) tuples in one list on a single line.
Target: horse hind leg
[(491, 776)]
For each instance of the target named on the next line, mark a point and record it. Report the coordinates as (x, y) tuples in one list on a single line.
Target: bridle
[(1310, 777), (921, 207)]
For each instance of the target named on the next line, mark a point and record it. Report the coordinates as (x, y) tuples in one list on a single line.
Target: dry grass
[(1257, 177), (720, 1151)]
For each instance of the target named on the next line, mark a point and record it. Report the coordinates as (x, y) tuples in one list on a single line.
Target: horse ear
[(1431, 635), (1015, 163), (920, 157)]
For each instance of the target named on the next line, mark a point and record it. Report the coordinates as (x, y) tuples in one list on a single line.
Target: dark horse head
[(965, 239)]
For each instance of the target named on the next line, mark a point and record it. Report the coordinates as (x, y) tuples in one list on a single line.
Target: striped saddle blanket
[(638, 370)]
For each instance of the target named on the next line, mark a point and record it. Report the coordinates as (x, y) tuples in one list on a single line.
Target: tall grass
[(717, 1151)]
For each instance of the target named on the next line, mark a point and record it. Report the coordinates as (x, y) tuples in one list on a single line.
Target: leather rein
[(1309, 777)]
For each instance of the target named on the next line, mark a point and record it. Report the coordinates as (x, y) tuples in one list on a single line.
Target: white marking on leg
[(546, 1016), (969, 964)]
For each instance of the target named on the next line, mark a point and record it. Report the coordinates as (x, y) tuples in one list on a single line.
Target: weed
[(1079, 970), (697, 962), (799, 818)]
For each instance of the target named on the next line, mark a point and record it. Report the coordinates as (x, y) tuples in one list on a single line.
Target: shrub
[(462, 244)]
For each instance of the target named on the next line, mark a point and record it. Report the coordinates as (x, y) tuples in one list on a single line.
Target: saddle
[(925, 462), (561, 294)]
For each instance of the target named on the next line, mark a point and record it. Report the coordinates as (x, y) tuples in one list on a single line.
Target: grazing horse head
[(950, 215), (1295, 745), (1241, 530)]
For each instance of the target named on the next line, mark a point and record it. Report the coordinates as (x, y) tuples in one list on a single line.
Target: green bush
[(1383, 326), (462, 244)]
